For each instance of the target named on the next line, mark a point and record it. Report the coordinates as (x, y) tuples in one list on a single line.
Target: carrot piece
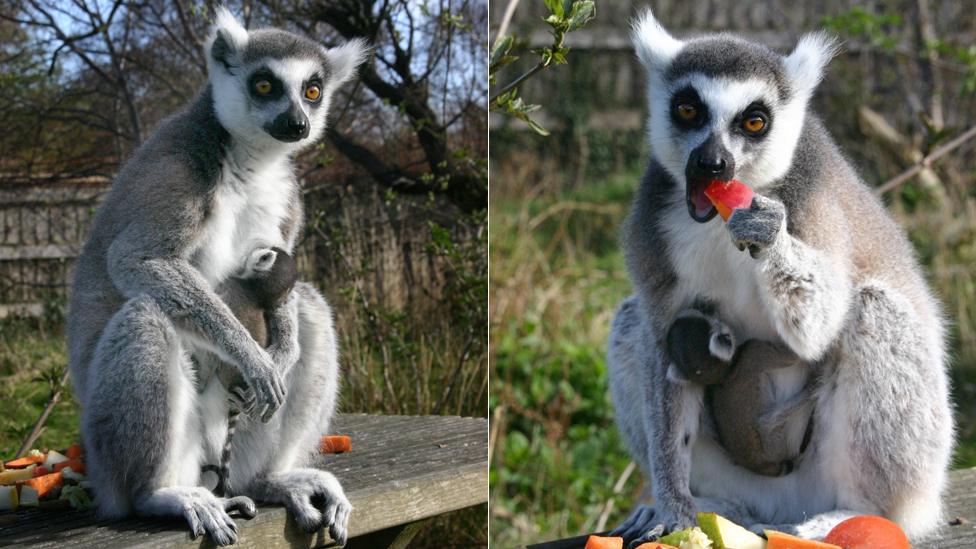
[(74, 451), (76, 465), (335, 444), (25, 461), (600, 542), (779, 540), (45, 484)]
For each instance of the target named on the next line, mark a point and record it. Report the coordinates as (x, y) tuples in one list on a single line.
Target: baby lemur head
[(722, 107), (272, 88), (268, 276)]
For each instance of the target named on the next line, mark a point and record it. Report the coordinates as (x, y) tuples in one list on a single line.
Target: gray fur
[(836, 283), (729, 56), (144, 309)]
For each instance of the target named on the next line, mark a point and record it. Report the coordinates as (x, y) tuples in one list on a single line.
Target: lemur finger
[(193, 520), (306, 515), (329, 514), (243, 505)]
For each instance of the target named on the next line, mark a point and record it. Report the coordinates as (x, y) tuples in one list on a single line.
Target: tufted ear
[(805, 66), (227, 38), (654, 45), (345, 59)]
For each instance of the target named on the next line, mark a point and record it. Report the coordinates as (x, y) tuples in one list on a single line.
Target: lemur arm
[(671, 416), (806, 290), (147, 262)]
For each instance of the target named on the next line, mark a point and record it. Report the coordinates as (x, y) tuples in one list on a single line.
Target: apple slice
[(726, 534), (727, 196), (53, 458), (12, 476)]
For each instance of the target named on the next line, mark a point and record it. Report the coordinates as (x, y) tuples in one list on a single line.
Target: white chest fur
[(247, 210), (710, 267)]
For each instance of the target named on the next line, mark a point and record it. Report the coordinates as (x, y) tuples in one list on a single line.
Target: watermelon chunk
[(727, 196)]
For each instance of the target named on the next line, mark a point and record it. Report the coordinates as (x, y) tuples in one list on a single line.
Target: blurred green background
[(558, 465)]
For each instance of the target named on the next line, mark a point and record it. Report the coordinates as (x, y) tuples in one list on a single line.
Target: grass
[(557, 274)]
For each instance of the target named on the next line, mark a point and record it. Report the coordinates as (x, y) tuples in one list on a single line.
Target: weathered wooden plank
[(960, 503), (38, 251), (402, 469)]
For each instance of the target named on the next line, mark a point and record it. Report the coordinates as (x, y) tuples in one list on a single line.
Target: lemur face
[(273, 88), (723, 108)]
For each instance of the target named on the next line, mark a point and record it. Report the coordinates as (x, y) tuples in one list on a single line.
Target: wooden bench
[(402, 471), (960, 504)]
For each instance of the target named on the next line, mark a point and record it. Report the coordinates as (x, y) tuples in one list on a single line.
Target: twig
[(601, 524), (926, 162), (496, 422), (506, 19), (39, 425)]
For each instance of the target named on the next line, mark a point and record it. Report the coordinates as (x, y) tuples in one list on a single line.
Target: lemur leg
[(142, 438), (663, 431), (313, 496), (892, 413)]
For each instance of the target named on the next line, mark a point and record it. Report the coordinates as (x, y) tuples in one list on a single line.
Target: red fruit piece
[(728, 195), (868, 532)]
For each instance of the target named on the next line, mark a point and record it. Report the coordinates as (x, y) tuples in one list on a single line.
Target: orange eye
[(312, 92), (687, 111), (754, 124), (263, 87)]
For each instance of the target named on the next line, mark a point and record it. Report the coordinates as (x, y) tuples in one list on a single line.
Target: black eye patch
[(254, 83), (687, 109), (754, 121)]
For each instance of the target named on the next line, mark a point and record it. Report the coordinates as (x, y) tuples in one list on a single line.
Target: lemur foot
[(647, 524), (316, 500), (204, 512), (756, 228)]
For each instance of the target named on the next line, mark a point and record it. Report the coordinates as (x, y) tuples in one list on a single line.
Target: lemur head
[(722, 107), (272, 88)]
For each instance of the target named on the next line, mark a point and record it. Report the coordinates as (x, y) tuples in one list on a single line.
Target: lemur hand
[(758, 227), (264, 379)]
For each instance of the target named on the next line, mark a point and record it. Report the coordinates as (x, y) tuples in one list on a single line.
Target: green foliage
[(557, 276), (564, 17), (861, 23)]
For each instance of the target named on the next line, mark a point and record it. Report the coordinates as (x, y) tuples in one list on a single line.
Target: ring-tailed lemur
[(827, 273), (213, 182)]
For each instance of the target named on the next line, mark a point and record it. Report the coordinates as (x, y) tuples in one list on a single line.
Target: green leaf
[(499, 55), (556, 8), (583, 12)]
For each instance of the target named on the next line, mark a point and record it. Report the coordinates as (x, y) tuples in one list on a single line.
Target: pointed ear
[(655, 46), (805, 66), (345, 59), (227, 38)]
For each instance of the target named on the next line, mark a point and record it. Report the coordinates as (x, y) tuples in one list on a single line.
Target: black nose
[(710, 160), (289, 126), (713, 165)]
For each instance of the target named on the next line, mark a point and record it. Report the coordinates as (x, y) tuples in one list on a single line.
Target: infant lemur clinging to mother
[(815, 269), (147, 322)]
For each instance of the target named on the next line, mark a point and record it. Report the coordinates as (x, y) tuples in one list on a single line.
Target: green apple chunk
[(675, 538), (726, 534)]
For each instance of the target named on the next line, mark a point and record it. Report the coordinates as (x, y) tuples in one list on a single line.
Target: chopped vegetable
[(74, 451), (12, 476), (41, 470), (9, 499), (32, 458), (70, 474), (75, 464), (44, 485), (600, 542), (77, 496), (53, 458), (335, 444), (726, 534), (779, 540)]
